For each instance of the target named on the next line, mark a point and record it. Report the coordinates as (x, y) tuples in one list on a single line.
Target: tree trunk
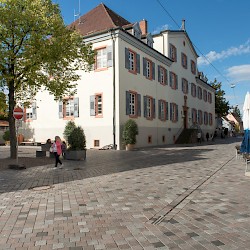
[(12, 127)]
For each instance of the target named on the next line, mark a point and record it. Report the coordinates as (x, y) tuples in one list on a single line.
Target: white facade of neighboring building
[(131, 80)]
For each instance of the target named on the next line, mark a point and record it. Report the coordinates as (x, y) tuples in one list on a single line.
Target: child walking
[(57, 149)]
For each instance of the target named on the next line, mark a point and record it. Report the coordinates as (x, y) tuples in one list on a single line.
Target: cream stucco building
[(152, 79)]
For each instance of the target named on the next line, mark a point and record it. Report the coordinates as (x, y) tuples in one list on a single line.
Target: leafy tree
[(3, 107), (221, 105), (38, 52), (237, 111)]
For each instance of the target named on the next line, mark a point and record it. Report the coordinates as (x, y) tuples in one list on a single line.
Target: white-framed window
[(69, 108), (184, 60), (30, 112), (172, 52), (162, 75), (205, 118), (210, 119), (133, 104), (205, 95), (199, 89), (200, 117), (209, 97), (173, 112), (173, 80), (193, 89), (148, 68), (184, 86), (194, 116), (193, 67), (101, 58), (149, 107), (163, 110), (96, 105), (132, 61)]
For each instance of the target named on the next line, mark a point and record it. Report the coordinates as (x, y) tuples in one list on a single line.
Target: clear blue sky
[(219, 29)]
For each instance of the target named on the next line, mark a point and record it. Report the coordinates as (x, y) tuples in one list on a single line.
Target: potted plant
[(77, 145), (130, 130), (68, 129)]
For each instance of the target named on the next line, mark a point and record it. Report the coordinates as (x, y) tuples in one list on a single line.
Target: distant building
[(151, 79)]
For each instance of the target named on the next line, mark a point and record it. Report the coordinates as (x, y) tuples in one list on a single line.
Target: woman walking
[(57, 150)]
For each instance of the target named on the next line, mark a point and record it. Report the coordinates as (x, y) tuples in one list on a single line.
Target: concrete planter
[(76, 155), (130, 147)]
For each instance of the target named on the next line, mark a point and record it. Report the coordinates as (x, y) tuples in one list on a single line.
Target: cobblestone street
[(172, 197)]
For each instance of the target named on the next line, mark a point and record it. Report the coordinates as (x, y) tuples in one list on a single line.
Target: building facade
[(152, 79)]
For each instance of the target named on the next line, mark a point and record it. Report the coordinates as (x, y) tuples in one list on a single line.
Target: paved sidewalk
[(158, 198)]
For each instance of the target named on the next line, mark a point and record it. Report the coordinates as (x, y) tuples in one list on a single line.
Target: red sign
[(18, 113)]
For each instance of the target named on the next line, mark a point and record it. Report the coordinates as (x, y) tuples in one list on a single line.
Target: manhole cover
[(41, 188)]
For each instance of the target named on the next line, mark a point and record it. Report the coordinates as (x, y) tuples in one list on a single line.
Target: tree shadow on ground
[(100, 162)]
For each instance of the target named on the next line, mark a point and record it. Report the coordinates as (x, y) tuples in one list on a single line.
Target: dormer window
[(137, 31), (149, 40)]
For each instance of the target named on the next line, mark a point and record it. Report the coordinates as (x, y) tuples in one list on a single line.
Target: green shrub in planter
[(6, 135), (130, 130), (69, 127), (77, 139)]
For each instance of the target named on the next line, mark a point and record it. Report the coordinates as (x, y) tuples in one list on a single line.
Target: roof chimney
[(183, 25), (144, 26)]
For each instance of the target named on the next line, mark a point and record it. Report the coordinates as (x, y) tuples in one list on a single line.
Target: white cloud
[(161, 28), (239, 73), (233, 51)]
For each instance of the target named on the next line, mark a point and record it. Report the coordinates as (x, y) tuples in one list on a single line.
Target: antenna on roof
[(78, 14)]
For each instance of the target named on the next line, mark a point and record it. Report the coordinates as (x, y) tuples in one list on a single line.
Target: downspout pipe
[(114, 89)]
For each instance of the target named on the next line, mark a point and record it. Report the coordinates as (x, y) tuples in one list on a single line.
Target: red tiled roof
[(98, 19)]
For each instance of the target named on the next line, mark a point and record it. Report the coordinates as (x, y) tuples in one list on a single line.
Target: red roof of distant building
[(98, 19)]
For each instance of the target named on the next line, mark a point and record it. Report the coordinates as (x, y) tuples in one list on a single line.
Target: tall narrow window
[(148, 68), (172, 52), (98, 106), (194, 116), (132, 61), (210, 119), (205, 95), (173, 112), (149, 107), (173, 80), (184, 60), (101, 58), (199, 92), (205, 118), (163, 110), (209, 97), (162, 75), (133, 104), (69, 107), (184, 86), (200, 117), (193, 89), (193, 67)]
